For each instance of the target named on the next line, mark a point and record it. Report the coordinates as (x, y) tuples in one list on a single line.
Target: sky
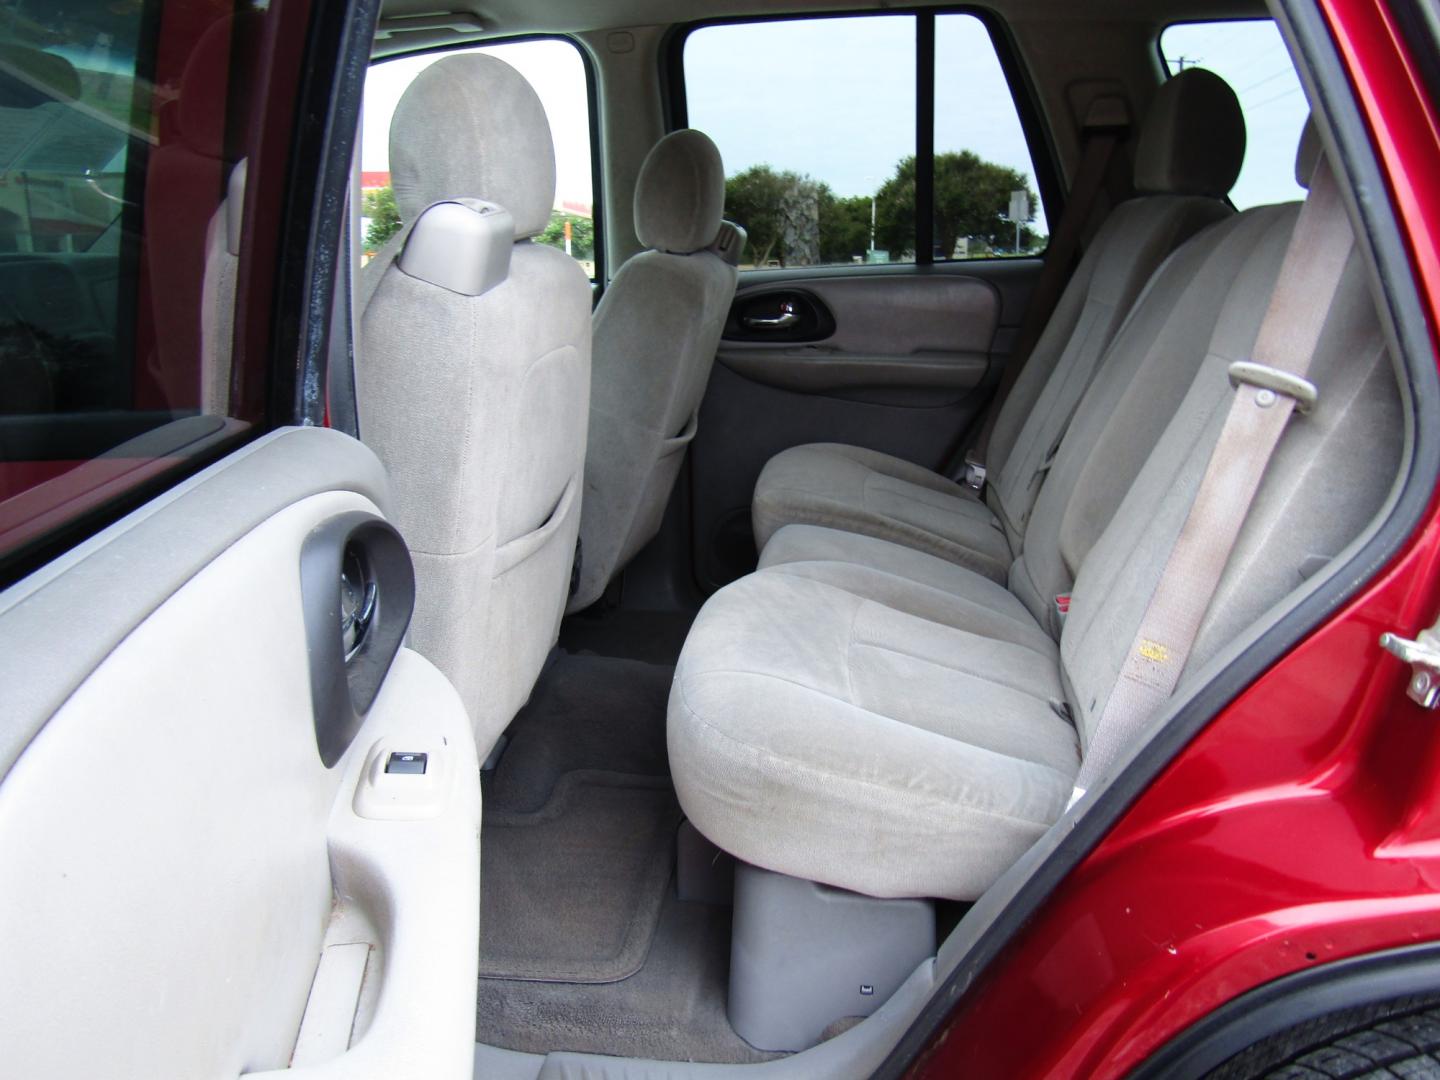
[(835, 98)]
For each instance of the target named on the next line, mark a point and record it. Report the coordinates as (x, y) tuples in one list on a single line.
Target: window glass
[(1251, 56), (121, 125), (983, 168), (820, 165), (555, 69)]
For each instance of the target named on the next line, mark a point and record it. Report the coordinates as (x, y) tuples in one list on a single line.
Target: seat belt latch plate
[(1301, 391), (974, 474)]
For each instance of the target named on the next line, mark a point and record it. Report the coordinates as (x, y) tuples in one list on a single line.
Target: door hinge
[(1423, 656)]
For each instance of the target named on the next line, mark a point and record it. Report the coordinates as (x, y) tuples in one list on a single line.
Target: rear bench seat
[(1191, 147), (877, 718)]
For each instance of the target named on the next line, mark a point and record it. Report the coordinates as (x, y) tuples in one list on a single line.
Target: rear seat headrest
[(680, 193), (471, 127), (1193, 139), (1307, 154)]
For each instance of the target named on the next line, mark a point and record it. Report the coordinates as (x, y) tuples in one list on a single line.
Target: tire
[(1399, 1039)]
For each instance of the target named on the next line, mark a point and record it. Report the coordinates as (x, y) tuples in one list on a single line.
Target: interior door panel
[(190, 882), (899, 359)]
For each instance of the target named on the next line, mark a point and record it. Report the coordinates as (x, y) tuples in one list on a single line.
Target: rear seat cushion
[(784, 710), (814, 545), (875, 494)]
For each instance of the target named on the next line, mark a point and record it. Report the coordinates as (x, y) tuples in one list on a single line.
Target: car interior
[(701, 604)]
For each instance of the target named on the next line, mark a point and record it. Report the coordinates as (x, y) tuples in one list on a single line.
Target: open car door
[(238, 816)]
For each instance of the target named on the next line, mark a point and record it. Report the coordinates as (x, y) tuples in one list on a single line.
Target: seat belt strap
[(1100, 145), (1267, 391)]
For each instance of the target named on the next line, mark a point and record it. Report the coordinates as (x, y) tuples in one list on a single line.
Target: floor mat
[(587, 712), (672, 1009), (653, 636), (572, 892)]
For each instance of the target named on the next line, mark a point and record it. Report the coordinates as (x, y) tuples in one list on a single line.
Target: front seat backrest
[(656, 331), (473, 380)]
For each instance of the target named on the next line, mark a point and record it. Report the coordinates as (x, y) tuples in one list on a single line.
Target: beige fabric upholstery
[(834, 737), (882, 720), (680, 193), (655, 334), (875, 494), (472, 126), (804, 484), (1193, 137), (477, 405)]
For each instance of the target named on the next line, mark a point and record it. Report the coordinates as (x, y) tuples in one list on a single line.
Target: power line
[(1277, 97), (1269, 78)]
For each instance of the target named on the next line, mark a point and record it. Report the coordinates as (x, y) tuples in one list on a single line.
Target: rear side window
[(827, 165), (122, 131), (1250, 55), (555, 68)]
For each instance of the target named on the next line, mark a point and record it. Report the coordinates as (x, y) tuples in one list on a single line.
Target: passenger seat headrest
[(1193, 139), (472, 127), (1307, 154), (680, 193)]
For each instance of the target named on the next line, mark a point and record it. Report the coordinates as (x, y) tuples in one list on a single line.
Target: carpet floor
[(584, 944)]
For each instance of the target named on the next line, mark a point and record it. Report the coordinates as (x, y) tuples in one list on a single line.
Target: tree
[(972, 197), (379, 206), (794, 219), (582, 234), (844, 226), (753, 199)]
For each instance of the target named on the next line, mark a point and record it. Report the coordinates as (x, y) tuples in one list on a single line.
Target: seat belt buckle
[(974, 473), (1276, 381)]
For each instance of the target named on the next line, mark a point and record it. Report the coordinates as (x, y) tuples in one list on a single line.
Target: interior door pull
[(786, 318)]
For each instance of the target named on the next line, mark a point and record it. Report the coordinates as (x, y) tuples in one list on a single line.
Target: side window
[(554, 67), (811, 193), (808, 192), (1251, 56), (122, 129), (985, 198)]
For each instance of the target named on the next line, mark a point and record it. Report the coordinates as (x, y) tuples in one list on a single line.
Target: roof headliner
[(507, 17)]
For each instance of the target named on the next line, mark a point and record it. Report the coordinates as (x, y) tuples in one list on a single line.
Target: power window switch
[(406, 763)]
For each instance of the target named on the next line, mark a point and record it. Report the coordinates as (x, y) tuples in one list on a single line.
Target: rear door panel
[(900, 360), (180, 857)]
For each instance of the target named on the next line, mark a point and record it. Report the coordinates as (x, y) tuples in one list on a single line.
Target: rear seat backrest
[(1122, 415), (1330, 475), (1191, 147)]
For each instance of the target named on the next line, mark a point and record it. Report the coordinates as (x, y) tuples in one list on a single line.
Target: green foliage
[(778, 209), (972, 197), (379, 206), (582, 234), (754, 199), (844, 227)]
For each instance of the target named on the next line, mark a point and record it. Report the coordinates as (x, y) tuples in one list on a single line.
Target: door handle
[(786, 318)]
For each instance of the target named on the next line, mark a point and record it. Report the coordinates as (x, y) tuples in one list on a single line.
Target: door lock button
[(399, 762)]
